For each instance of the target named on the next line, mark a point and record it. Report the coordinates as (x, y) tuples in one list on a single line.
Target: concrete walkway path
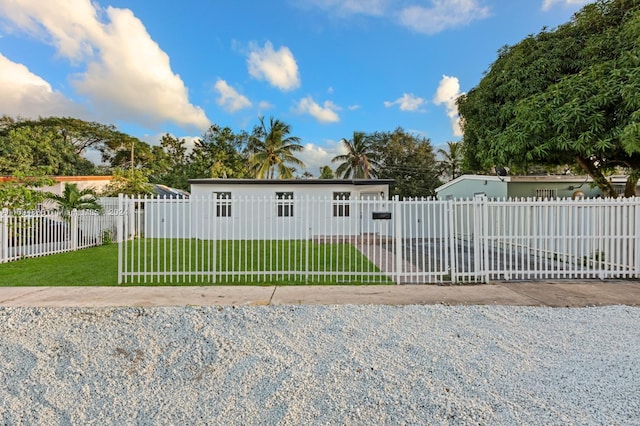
[(554, 294)]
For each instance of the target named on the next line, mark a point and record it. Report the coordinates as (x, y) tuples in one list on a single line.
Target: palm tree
[(451, 162), (360, 161), (73, 198), (272, 149)]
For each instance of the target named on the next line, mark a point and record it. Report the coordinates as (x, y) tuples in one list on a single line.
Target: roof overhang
[(357, 182)]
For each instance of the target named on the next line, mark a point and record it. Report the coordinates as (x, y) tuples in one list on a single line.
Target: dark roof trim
[(293, 181)]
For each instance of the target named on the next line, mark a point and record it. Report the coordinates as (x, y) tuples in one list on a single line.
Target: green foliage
[(19, 193), (451, 164), (73, 198), (567, 96), (128, 182), (271, 150), (409, 160), (360, 160), (326, 173), (169, 166), (59, 143), (218, 154), (26, 148)]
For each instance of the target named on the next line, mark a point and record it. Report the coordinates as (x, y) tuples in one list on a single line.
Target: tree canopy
[(409, 160), (566, 96), (360, 161), (272, 149)]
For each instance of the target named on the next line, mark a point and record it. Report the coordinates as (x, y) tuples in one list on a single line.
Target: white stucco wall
[(254, 211)]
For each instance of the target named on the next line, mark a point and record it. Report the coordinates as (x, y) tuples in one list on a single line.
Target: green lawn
[(327, 264), (96, 266)]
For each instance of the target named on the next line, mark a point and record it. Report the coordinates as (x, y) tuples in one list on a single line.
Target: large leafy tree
[(272, 150), (360, 160), (567, 96), (170, 160), (219, 153), (24, 148), (409, 160), (79, 134)]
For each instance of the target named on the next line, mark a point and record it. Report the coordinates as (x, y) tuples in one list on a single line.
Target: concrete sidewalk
[(554, 294)]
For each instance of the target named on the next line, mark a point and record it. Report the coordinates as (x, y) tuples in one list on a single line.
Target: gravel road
[(321, 365)]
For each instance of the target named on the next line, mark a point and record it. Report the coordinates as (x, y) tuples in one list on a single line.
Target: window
[(223, 204), (341, 204), (284, 204), (546, 193)]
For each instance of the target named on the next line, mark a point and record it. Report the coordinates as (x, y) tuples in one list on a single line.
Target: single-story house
[(250, 207), (547, 186), (97, 183)]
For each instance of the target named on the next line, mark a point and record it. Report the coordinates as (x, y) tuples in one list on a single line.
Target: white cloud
[(324, 114), (230, 100), (344, 8), (277, 67), (26, 94), (263, 105), (443, 14), (314, 156), (547, 4), (353, 107), (447, 93), (127, 77), (407, 102)]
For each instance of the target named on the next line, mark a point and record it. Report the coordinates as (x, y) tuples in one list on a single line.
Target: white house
[(286, 208)]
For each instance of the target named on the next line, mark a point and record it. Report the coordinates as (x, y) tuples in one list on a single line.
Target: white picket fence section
[(306, 240), (45, 232)]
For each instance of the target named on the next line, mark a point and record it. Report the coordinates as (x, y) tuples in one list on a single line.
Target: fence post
[(308, 236), (398, 243), (74, 229), (637, 239), (453, 248), (480, 240), (120, 234), (4, 236)]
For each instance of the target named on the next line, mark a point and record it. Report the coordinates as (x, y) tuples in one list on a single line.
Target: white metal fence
[(45, 232), (305, 240)]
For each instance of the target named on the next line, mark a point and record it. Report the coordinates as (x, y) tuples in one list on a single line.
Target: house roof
[(66, 178), (525, 178), (292, 181), (166, 191)]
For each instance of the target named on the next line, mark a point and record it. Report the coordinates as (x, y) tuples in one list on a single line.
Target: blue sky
[(327, 67)]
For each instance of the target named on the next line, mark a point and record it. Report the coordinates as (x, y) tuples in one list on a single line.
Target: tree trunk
[(598, 178), (632, 183)]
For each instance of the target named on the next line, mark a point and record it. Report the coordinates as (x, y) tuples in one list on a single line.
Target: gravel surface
[(321, 365)]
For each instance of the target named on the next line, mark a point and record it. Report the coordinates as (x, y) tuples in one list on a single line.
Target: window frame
[(223, 203), (284, 204), (340, 204)]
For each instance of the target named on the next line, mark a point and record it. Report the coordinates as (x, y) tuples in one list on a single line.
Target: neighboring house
[(168, 192), (287, 203), (97, 183), (499, 187)]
